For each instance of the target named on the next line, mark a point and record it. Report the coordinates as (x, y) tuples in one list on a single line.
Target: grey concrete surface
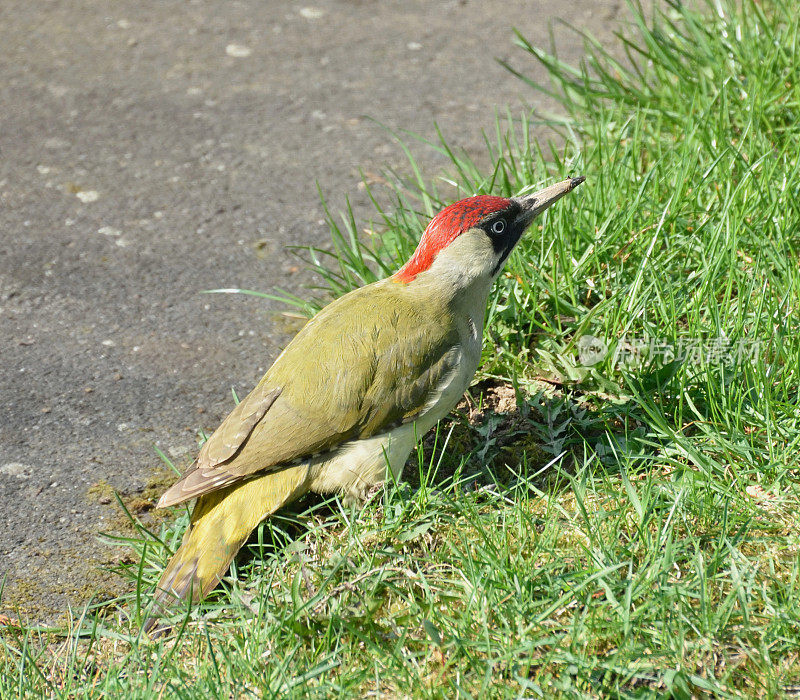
[(153, 149)]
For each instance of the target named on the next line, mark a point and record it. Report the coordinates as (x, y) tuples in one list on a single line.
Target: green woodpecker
[(347, 398)]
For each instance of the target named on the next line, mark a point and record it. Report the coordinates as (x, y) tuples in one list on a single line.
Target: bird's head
[(471, 239)]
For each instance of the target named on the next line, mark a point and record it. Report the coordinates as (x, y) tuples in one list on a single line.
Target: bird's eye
[(498, 226)]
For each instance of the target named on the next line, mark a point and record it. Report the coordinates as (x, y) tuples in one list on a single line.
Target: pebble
[(17, 469), (237, 50), (87, 196), (311, 12)]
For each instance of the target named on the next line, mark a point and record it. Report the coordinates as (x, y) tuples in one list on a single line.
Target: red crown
[(445, 227)]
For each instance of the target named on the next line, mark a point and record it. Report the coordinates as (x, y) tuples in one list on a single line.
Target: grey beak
[(534, 204)]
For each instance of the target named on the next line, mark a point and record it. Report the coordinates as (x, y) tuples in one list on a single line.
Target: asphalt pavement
[(150, 150)]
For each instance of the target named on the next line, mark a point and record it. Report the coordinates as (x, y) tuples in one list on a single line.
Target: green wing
[(345, 375)]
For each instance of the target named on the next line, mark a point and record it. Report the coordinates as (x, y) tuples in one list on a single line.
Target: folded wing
[(344, 376)]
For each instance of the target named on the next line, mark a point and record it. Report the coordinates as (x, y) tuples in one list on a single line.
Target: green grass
[(626, 529)]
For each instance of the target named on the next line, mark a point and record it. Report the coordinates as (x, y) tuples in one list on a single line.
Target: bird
[(345, 402)]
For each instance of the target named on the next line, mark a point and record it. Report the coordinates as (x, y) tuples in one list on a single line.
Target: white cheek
[(468, 258)]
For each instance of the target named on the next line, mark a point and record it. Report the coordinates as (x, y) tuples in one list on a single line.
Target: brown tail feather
[(221, 522)]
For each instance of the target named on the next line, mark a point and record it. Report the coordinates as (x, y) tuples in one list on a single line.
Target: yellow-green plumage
[(221, 522), (343, 376)]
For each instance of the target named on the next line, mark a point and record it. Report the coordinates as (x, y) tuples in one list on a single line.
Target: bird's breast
[(451, 387)]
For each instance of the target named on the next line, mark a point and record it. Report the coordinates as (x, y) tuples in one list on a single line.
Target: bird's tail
[(221, 522)]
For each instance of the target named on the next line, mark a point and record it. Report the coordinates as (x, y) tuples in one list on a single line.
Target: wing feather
[(344, 375), (235, 429)]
